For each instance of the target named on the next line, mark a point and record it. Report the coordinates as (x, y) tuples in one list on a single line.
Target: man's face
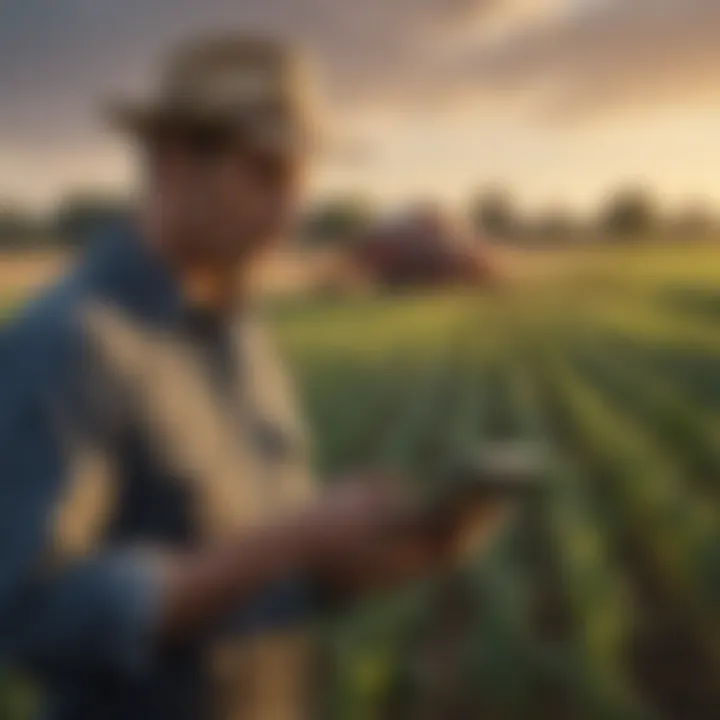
[(228, 201)]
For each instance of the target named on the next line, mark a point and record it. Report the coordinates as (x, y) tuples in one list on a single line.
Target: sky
[(558, 100)]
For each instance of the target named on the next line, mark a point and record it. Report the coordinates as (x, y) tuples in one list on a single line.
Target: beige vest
[(236, 482)]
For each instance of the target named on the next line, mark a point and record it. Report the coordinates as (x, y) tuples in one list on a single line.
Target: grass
[(601, 602)]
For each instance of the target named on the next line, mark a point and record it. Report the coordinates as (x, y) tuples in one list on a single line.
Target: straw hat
[(256, 86)]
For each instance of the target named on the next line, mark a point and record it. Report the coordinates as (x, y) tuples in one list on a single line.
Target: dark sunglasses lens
[(208, 144)]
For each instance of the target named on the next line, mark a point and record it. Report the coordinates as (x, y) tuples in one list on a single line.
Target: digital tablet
[(498, 474)]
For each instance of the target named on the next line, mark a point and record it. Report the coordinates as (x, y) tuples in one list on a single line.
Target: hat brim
[(277, 133), (146, 119)]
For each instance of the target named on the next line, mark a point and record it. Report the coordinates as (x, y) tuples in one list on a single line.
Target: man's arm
[(207, 584), (89, 608), (361, 538)]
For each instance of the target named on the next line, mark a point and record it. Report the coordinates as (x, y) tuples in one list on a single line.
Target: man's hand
[(413, 542), (363, 510)]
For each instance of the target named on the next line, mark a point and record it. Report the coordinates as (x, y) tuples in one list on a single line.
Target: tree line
[(624, 215), (628, 214)]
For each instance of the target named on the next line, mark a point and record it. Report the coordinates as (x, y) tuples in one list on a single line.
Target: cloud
[(612, 56), (565, 59), (56, 59)]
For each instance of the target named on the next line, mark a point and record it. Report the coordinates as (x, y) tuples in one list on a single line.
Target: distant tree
[(629, 213), (80, 216), (693, 222), (494, 213), (338, 220), (555, 225)]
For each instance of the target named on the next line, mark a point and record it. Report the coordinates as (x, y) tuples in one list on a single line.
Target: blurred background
[(522, 241)]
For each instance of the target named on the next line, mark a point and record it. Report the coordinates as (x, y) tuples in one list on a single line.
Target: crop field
[(602, 599)]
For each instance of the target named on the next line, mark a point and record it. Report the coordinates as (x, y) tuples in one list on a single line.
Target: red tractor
[(423, 248)]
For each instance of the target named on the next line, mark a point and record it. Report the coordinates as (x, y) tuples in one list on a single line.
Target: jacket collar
[(125, 271)]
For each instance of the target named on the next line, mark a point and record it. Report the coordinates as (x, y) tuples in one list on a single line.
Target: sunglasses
[(207, 144)]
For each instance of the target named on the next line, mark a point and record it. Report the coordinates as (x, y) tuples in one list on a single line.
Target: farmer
[(162, 545)]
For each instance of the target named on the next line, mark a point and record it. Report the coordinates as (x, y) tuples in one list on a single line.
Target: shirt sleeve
[(65, 605)]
